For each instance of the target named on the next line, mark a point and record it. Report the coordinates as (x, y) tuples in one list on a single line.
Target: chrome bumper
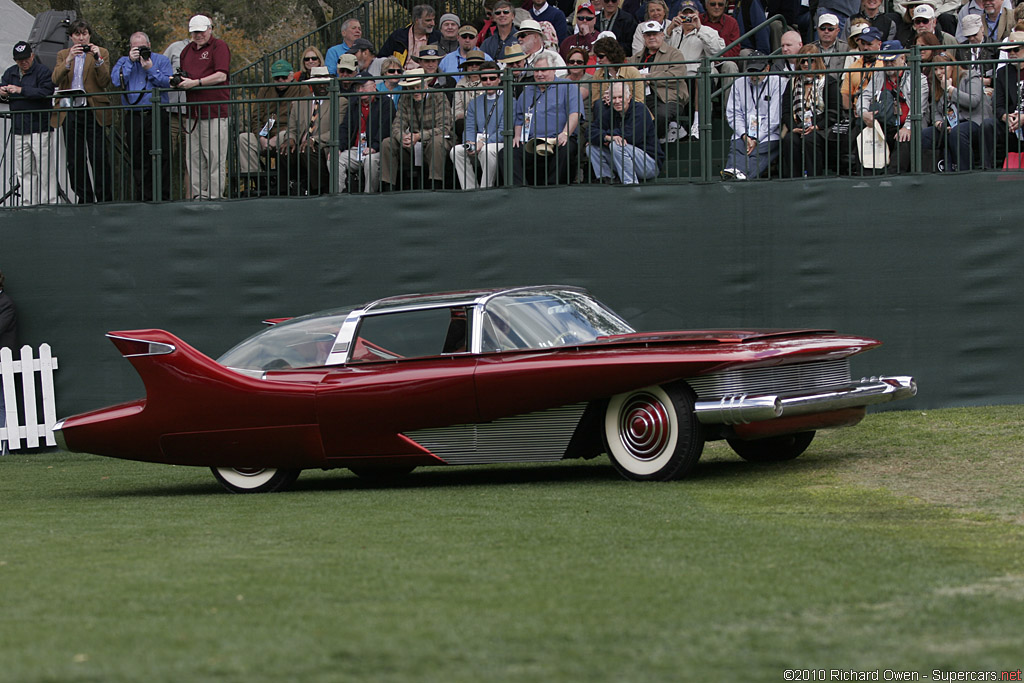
[(58, 434), (744, 408)]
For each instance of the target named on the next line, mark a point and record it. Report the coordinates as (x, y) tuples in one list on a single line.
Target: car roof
[(464, 297)]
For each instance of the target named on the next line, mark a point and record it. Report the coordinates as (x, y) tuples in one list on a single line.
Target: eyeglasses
[(466, 35), (393, 71), (828, 28), (600, 55), (716, 4), (502, 11), (281, 78), (575, 62), (921, 21), (1013, 50), (806, 63), (311, 59), (488, 79), (581, 17)]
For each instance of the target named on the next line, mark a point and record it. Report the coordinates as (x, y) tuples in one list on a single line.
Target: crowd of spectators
[(597, 90)]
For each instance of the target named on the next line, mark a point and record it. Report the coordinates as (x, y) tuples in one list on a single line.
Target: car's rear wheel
[(653, 434), (255, 479), (774, 448)]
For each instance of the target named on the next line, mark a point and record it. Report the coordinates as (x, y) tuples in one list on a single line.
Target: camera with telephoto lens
[(178, 77), (144, 53)]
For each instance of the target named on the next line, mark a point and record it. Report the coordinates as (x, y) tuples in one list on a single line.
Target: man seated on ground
[(483, 136), (420, 132), (362, 132), (308, 137), (833, 52), (623, 141), (451, 63), (754, 112), (547, 116), (694, 40), (351, 31), (505, 30), (531, 37), (268, 117), (666, 98), (407, 41)]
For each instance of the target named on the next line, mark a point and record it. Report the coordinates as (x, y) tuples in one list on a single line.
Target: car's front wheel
[(774, 448), (653, 434), (255, 480)]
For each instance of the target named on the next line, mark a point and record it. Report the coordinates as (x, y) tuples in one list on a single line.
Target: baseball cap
[(281, 67), (870, 34), (22, 50), (971, 24), (651, 27), (890, 50), (348, 62), (828, 19), (199, 22), (925, 11), (361, 44)]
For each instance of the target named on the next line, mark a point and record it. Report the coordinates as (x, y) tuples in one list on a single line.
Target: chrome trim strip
[(155, 348), (743, 409), (533, 437), (58, 434), (792, 378), (343, 342)]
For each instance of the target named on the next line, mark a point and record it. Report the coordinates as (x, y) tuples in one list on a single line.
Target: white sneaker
[(733, 174), (672, 134), (695, 131)]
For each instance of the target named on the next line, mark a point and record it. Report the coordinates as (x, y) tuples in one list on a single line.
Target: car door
[(407, 370)]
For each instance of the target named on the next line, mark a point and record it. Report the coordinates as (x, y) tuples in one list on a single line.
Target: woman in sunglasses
[(391, 70), (577, 61), (311, 57)]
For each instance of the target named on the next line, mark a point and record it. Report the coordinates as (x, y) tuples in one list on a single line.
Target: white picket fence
[(28, 399)]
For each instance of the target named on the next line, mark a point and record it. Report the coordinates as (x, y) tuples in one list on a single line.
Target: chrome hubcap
[(644, 426)]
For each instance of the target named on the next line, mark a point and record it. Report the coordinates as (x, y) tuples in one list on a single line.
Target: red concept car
[(523, 374)]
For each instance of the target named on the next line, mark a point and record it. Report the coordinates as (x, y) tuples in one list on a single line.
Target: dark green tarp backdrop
[(931, 265)]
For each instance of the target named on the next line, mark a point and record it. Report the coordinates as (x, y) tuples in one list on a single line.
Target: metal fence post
[(704, 111), (508, 93), (916, 115), (333, 146), (156, 148)]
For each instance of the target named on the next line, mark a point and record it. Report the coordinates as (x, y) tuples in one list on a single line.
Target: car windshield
[(297, 343), (536, 320)]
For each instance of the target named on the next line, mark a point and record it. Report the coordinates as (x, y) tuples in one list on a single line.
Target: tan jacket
[(431, 117), (280, 107), (668, 91), (300, 116), (95, 79)]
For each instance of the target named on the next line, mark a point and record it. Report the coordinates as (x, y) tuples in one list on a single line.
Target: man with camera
[(84, 71), (138, 73), (205, 62), (686, 34), (27, 88)]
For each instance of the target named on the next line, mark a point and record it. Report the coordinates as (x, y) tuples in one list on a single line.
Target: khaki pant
[(393, 156), (466, 165), (207, 151)]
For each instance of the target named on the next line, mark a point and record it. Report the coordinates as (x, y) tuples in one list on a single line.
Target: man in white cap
[(832, 49), (532, 40), (666, 99), (207, 61), (925, 21), (972, 27), (975, 7)]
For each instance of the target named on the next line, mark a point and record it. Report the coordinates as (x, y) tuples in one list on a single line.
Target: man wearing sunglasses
[(452, 62), (505, 30), (621, 23), (925, 21), (268, 117), (586, 35), (482, 138), (1008, 104), (832, 49), (715, 17)]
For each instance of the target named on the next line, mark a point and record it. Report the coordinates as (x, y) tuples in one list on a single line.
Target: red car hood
[(704, 336)]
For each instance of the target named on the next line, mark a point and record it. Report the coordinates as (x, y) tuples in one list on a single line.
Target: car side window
[(411, 334)]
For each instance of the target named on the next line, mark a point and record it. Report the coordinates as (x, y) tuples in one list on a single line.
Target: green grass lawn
[(897, 544)]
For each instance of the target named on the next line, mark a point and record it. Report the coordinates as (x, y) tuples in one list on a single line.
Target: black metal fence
[(532, 126)]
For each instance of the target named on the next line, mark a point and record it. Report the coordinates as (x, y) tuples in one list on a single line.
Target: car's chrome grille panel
[(533, 437), (780, 379)]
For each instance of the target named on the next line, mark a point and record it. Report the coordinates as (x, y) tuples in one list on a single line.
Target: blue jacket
[(635, 125), (129, 75), (487, 117), (378, 124), (36, 93)]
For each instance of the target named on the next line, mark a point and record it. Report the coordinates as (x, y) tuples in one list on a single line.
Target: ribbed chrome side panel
[(533, 437), (782, 379)]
